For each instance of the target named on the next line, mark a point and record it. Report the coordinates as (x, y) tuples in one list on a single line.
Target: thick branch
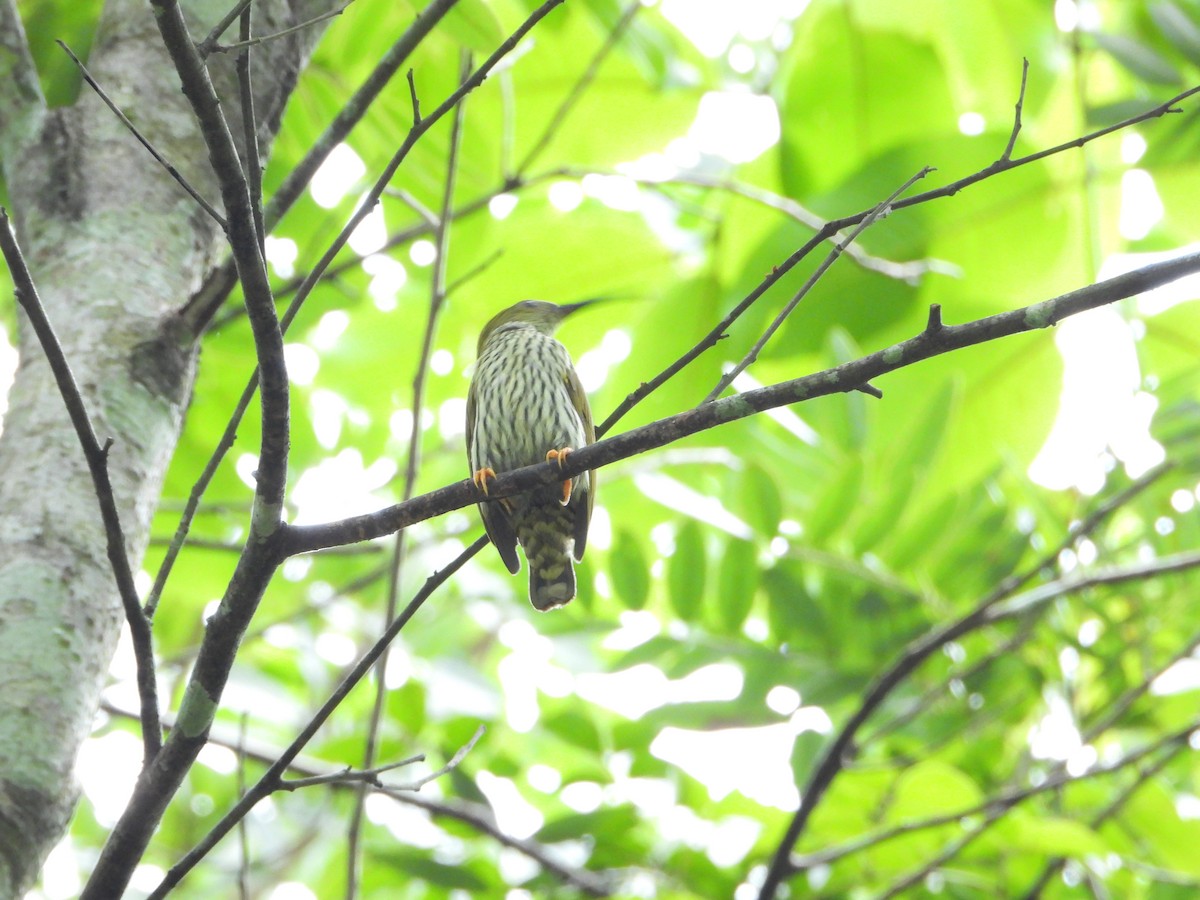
[(846, 377), (1003, 163), (251, 267), (271, 779), (222, 280)]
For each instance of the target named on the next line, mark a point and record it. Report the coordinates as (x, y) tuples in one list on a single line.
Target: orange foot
[(561, 456), (482, 477)]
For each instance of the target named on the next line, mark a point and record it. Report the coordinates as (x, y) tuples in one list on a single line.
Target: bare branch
[(1148, 771), (270, 779), (143, 140), (474, 815), (833, 758), (846, 377), (209, 298), (1000, 803), (365, 777), (250, 134), (436, 301), (128, 839), (197, 492), (907, 271), (831, 228), (1169, 746), (206, 45), (877, 213), (577, 90), (260, 305), (416, 101), (1020, 105), (247, 42)]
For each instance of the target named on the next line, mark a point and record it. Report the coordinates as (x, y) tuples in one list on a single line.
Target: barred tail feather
[(544, 533), (548, 593)]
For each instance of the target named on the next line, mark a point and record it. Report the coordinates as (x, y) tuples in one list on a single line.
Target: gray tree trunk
[(116, 248)]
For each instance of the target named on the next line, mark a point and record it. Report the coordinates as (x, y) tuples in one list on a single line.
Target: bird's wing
[(582, 499), (496, 520)]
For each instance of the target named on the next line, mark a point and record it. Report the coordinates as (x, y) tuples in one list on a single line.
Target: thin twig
[(143, 140), (906, 271), (1020, 105), (412, 467), (197, 493), (414, 98), (250, 133), (1148, 771), (246, 43), (475, 271), (1122, 704), (97, 463), (217, 287), (835, 754), (937, 692), (848, 376), (1001, 802), (243, 832), (269, 781), (1171, 744), (556, 121), (206, 45), (311, 608), (831, 228), (364, 777), (368, 203), (474, 815), (877, 213), (1075, 533)]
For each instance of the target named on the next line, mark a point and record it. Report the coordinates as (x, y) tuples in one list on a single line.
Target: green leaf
[(1139, 58), (572, 827), (419, 867), (686, 571), (575, 728), (760, 504), (1179, 28), (474, 25), (737, 582), (790, 607), (932, 788), (629, 570), (836, 501), (1053, 836)]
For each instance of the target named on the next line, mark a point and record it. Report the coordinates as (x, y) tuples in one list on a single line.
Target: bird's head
[(537, 314)]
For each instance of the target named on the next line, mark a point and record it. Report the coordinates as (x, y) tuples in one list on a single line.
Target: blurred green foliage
[(803, 554)]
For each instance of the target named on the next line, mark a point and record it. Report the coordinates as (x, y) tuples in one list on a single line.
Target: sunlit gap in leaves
[(282, 254), (763, 771), (336, 176), (1105, 411), (718, 28)]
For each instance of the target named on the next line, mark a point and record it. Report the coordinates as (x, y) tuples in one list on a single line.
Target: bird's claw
[(560, 457), (481, 477)]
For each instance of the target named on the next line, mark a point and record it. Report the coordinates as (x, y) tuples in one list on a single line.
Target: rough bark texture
[(116, 248)]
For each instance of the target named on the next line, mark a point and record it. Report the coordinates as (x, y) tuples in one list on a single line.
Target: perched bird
[(526, 406)]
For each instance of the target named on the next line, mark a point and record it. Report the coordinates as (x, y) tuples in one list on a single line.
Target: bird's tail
[(545, 533)]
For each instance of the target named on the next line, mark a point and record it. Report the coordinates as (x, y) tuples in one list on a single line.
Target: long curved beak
[(569, 308)]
